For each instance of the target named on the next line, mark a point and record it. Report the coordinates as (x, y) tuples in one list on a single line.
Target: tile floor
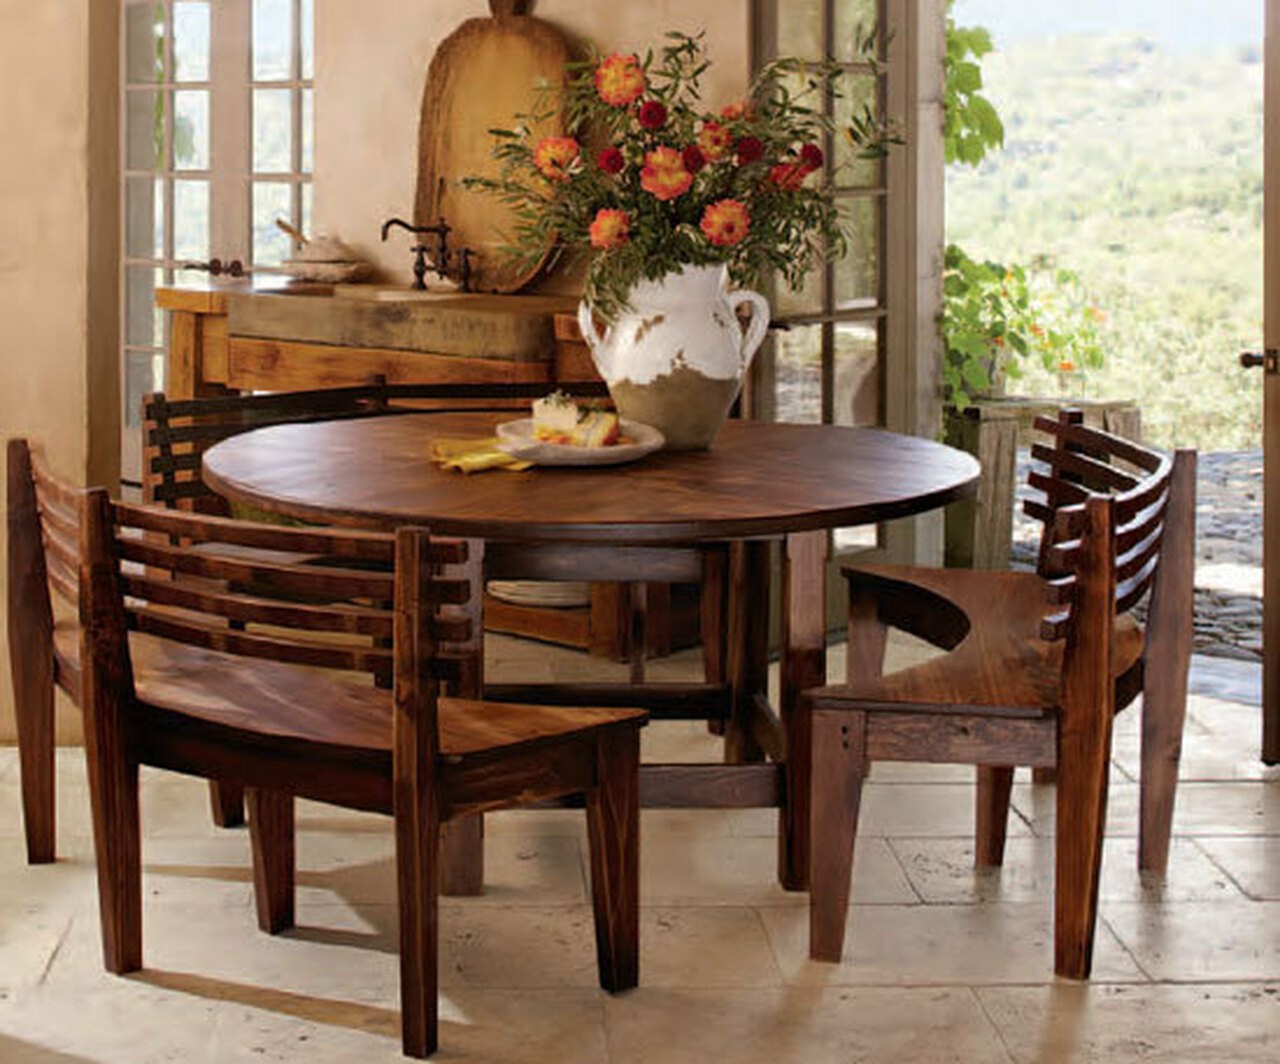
[(942, 964)]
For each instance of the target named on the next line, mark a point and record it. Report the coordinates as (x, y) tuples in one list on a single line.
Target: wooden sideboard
[(266, 336)]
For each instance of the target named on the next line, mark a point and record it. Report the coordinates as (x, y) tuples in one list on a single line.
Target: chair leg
[(417, 825), (462, 857), (33, 706), (271, 834), (839, 767), (613, 835), (1164, 710), (1083, 766), (227, 803), (995, 782), (117, 840)]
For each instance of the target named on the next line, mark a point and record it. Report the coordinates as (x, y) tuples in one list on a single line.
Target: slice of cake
[(555, 419), (597, 428)]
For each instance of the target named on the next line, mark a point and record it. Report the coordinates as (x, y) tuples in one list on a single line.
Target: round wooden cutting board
[(483, 75)]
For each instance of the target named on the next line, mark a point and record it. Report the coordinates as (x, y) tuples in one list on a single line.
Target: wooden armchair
[(1037, 665), (260, 704)]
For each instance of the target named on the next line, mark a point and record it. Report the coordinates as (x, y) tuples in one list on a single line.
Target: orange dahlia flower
[(554, 155), (664, 174), (714, 140), (726, 222), (611, 229), (620, 80)]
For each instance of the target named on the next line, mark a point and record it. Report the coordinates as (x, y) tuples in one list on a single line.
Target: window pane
[(858, 273), (144, 372), (272, 131), (191, 130), (857, 92), (307, 38), (306, 209), (144, 42), (272, 40), (271, 200), (853, 16), (144, 218), (857, 376), (798, 374), (307, 163), (191, 220), (800, 29), (190, 41), (139, 306), (144, 129)]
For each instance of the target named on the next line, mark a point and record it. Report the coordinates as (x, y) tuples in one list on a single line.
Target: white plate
[(516, 438)]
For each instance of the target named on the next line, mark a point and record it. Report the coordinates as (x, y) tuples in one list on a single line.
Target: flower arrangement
[(647, 180)]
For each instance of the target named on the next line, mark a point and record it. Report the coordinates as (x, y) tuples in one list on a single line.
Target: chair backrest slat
[(56, 525), (281, 577), (254, 609), (1091, 473)]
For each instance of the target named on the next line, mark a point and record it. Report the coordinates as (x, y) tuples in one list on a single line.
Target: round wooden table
[(649, 520)]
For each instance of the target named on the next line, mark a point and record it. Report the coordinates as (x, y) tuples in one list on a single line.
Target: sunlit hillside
[(1139, 167)]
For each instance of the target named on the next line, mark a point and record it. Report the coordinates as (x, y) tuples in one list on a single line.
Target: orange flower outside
[(554, 155), (664, 174), (620, 80), (611, 229), (726, 222), (714, 140)]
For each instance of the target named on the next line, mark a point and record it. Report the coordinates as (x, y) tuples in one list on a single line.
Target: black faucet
[(442, 255)]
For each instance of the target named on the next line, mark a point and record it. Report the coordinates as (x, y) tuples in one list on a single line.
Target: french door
[(858, 344), (217, 130)]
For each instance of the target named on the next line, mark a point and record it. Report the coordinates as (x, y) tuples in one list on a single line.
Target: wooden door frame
[(1271, 394)]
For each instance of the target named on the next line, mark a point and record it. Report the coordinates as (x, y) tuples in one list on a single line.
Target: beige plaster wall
[(58, 380), (371, 63)]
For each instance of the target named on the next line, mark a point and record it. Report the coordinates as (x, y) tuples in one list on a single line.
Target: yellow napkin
[(475, 456)]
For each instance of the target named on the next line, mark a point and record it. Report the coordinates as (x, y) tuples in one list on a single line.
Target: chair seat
[(295, 703), (1000, 662)]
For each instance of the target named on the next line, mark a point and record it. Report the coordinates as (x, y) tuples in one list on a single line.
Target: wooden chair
[(261, 704), (1037, 665)]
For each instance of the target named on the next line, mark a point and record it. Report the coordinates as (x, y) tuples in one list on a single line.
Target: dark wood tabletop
[(759, 479)]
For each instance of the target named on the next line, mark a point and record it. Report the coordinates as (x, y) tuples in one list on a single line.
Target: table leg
[(462, 840), (748, 650), (713, 613), (804, 665)]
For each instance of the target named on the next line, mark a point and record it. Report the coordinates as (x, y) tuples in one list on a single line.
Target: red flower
[(653, 116), (726, 222), (812, 156), (611, 229), (693, 158), (714, 140), (789, 176), (610, 160), (749, 149), (664, 175), (620, 80)]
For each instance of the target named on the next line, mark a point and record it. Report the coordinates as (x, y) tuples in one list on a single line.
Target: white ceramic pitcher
[(676, 355)]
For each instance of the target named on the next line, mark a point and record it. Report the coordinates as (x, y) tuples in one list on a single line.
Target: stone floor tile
[(1254, 863), (937, 945), (813, 1025), (942, 871), (1235, 808), (705, 946), (1091, 1024), (1201, 941), (743, 871), (1220, 743)]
